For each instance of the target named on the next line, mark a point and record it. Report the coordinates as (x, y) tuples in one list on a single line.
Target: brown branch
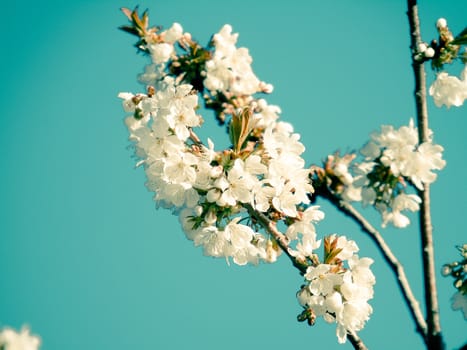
[(388, 255), (281, 239), (355, 340), (434, 338)]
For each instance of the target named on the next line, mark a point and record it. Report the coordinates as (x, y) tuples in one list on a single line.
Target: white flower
[(305, 222), (449, 90), (229, 71), (262, 195), (177, 104), (254, 166), (152, 73), (213, 240), (128, 101), (161, 52), (401, 202), (179, 168), (348, 247), (428, 157), (284, 199), (173, 34), (239, 185), (241, 249), (266, 115), (22, 340), (459, 302), (322, 281)]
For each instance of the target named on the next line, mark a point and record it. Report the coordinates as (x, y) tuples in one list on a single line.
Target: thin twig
[(434, 336), (356, 341), (281, 239), (394, 264)]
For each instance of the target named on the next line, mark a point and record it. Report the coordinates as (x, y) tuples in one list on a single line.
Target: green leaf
[(129, 29), (461, 39), (240, 128)]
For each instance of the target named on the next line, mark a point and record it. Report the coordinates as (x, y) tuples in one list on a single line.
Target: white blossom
[(449, 90), (229, 71), (22, 340)]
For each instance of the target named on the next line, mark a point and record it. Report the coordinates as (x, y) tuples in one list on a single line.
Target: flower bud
[(441, 23), (446, 270), (198, 210), (210, 217), (216, 171), (429, 52)]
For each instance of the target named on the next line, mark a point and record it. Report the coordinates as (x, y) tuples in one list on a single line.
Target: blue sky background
[(87, 261)]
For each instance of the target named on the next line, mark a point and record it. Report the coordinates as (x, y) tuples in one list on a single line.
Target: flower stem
[(434, 340)]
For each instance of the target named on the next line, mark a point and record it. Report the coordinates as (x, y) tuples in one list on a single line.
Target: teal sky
[(87, 261)]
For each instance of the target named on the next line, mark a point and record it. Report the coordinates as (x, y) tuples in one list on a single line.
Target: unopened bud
[(198, 210), (429, 52), (210, 217), (441, 23), (267, 88), (216, 171), (446, 270)]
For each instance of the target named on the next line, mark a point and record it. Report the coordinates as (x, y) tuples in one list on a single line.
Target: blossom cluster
[(392, 159), (212, 189), (229, 71), (22, 340), (231, 201), (162, 49), (339, 289)]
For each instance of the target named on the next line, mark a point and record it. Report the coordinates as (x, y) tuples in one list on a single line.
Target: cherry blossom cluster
[(229, 71), (233, 202), (446, 90), (392, 159), (22, 340), (212, 189), (338, 289)]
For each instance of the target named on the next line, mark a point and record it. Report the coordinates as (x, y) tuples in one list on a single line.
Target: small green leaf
[(240, 128), (461, 39), (129, 29)]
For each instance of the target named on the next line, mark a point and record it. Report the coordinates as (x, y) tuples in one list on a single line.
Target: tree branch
[(356, 341), (394, 264), (281, 239), (434, 337)]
